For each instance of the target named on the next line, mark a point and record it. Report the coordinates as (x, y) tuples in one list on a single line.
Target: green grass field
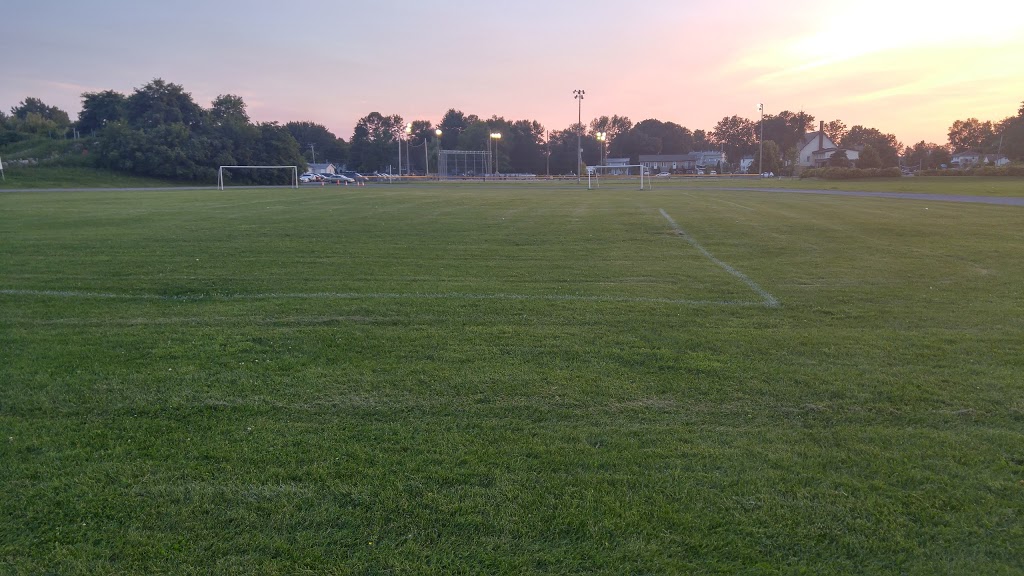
[(511, 379), (47, 176)]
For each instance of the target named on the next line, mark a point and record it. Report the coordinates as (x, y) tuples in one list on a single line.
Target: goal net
[(464, 163), (633, 176), (259, 176)]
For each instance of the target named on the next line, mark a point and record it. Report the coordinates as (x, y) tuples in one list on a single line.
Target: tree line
[(159, 130)]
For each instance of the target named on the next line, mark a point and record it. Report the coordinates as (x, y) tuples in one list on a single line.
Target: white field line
[(374, 296), (769, 300)]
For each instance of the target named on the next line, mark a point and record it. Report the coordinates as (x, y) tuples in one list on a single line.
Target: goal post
[(619, 176), (294, 173)]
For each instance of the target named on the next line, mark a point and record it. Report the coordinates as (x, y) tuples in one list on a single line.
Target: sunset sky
[(905, 67)]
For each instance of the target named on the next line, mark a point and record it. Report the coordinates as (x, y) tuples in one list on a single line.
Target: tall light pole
[(495, 136), (438, 134), (760, 161), (313, 150), (578, 95), (408, 136), (601, 137), (547, 140)]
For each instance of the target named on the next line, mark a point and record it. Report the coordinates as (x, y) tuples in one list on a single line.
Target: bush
[(985, 171), (836, 173)]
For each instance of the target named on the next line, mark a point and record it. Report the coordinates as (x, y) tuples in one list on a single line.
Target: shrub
[(836, 173), (985, 171)]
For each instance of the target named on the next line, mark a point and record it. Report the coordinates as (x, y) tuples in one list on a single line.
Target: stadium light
[(408, 136), (601, 137), (578, 95), (495, 136), (437, 133)]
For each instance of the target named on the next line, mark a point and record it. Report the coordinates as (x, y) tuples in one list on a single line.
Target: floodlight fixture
[(578, 96)]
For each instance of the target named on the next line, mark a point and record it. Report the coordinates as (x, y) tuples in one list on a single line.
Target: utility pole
[(760, 161), (578, 95)]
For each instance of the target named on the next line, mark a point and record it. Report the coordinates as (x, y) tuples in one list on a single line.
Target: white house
[(615, 163), (969, 158), (689, 163), (817, 148), (322, 168)]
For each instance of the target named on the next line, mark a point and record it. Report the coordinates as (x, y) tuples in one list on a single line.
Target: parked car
[(337, 179), (662, 175), (355, 176)]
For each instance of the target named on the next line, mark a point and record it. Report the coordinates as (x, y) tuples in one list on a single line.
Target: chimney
[(821, 134)]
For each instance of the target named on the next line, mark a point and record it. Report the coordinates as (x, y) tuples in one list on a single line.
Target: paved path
[(1004, 200)]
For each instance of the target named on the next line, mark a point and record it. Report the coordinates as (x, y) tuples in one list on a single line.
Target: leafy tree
[(54, 115), (316, 140), (939, 157), (453, 123), (374, 143), (614, 127), (191, 151), (159, 103), (970, 134), (701, 141), (476, 135), (228, 108), (525, 147), (787, 128), (839, 158), (836, 131), (634, 143), (886, 145), (1011, 133), (35, 123), (868, 158), (100, 109), (562, 147), (674, 138), (736, 135), (772, 159)]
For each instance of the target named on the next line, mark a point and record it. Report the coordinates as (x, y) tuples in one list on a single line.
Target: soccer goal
[(631, 176), (292, 171)]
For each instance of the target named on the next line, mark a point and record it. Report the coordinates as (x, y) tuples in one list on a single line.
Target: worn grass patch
[(509, 379)]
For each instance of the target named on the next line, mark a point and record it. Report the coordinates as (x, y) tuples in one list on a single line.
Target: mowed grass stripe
[(371, 296)]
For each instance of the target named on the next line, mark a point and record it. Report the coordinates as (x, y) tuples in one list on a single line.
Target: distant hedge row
[(1008, 170), (835, 173)]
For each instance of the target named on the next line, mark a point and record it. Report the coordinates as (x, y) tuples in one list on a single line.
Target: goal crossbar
[(294, 169)]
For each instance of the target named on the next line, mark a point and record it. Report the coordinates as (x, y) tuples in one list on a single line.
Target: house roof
[(811, 137), (689, 157)]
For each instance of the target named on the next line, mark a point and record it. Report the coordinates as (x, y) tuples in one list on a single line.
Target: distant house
[(615, 163), (970, 158), (816, 149), (322, 168), (689, 163), (745, 163)]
